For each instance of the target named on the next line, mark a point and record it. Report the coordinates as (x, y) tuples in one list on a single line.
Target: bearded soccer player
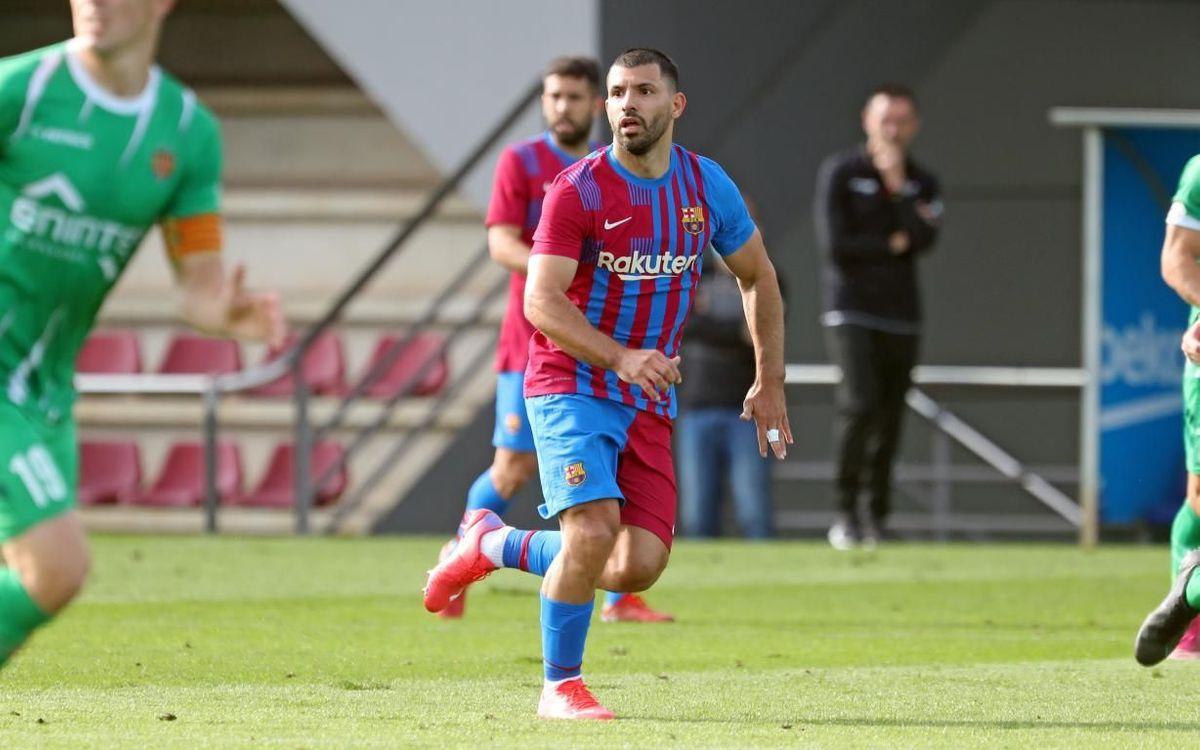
[(570, 103), (96, 145), (614, 263), (1171, 630)]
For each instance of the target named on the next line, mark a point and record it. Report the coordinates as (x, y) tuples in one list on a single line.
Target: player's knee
[(54, 583), (512, 471), (589, 537), (638, 574)]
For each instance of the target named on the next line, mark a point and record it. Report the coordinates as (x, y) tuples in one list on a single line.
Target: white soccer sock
[(491, 545)]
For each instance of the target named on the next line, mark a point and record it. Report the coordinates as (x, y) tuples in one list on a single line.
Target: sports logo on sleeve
[(574, 474), (693, 219)]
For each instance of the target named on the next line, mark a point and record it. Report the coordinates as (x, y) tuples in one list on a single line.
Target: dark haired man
[(877, 211), (570, 103), (615, 260)]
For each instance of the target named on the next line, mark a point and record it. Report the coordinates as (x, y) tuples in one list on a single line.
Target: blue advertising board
[(1141, 431)]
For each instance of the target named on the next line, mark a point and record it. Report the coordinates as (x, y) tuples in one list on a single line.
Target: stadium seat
[(180, 484), (109, 472), (275, 489), (113, 352), (405, 373), (324, 368), (189, 353)]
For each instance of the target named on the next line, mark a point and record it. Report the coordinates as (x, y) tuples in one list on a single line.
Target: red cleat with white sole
[(1189, 646), (633, 608), (465, 565), (454, 610), (570, 699)]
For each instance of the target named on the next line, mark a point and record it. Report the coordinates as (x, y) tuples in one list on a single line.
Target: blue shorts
[(595, 449), (512, 423)]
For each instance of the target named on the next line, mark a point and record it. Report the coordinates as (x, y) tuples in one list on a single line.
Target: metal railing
[(950, 428), (212, 388)]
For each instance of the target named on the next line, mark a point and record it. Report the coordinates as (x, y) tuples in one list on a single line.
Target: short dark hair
[(575, 67), (895, 91), (636, 56)]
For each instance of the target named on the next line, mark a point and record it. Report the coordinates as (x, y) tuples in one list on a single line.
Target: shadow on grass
[(850, 721)]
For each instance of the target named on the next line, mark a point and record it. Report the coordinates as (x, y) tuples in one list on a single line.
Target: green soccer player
[(97, 144), (1169, 630)]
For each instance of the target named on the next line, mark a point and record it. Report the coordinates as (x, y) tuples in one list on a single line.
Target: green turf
[(323, 643)]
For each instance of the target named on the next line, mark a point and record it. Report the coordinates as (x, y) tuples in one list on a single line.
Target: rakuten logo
[(645, 266)]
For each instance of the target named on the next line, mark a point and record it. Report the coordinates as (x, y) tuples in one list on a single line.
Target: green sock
[(1185, 536), (19, 614)]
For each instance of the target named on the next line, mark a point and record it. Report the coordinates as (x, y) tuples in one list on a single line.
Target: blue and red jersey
[(523, 175), (639, 243)]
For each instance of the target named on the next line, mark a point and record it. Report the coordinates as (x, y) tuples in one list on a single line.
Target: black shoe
[(1165, 626)]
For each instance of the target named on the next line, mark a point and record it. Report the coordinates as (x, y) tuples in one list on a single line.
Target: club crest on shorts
[(574, 474), (512, 423), (693, 219)]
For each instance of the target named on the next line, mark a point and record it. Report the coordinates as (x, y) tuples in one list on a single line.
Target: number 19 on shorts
[(40, 476)]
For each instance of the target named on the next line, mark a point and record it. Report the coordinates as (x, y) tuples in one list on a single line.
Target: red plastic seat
[(406, 371), (323, 368), (180, 483), (114, 352), (109, 472), (275, 489), (189, 353)]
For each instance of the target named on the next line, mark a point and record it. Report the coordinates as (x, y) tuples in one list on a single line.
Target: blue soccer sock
[(564, 634), (531, 551), (612, 597), (483, 494)]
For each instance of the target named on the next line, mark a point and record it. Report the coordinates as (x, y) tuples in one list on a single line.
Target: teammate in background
[(570, 104), (614, 262), (96, 145), (1171, 630)]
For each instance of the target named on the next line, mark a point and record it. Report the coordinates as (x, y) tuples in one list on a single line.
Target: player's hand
[(650, 370), (250, 315), (766, 404), (1191, 343)]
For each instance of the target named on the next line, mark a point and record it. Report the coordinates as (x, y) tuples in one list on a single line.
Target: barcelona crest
[(693, 219), (574, 474)]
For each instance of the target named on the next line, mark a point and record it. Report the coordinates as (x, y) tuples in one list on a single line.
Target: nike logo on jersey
[(611, 224)]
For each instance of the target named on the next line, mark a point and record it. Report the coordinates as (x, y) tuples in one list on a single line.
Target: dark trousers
[(876, 374)]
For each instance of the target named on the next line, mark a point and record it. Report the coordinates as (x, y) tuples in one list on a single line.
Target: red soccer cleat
[(454, 610), (633, 608), (570, 699), (1189, 646), (465, 565)]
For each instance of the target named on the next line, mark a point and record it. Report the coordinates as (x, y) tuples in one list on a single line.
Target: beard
[(640, 144), (574, 134)]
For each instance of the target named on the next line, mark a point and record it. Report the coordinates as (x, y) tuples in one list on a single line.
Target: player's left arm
[(766, 402), (215, 300)]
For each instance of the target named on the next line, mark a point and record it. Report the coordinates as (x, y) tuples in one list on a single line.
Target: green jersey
[(1185, 206), (83, 175)]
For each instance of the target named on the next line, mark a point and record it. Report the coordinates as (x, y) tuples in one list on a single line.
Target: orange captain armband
[(194, 234)]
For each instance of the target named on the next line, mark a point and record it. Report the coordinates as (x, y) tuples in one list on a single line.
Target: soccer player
[(1165, 627), (570, 104), (96, 145), (615, 260)]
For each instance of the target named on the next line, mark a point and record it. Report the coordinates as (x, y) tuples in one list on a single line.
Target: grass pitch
[(322, 643)]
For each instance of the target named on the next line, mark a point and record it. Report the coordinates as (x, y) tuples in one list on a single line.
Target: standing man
[(876, 212), (96, 145), (1167, 627), (614, 264), (571, 102)]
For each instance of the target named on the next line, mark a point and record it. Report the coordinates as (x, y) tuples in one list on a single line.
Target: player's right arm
[(552, 266), (506, 213), (1181, 249)]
